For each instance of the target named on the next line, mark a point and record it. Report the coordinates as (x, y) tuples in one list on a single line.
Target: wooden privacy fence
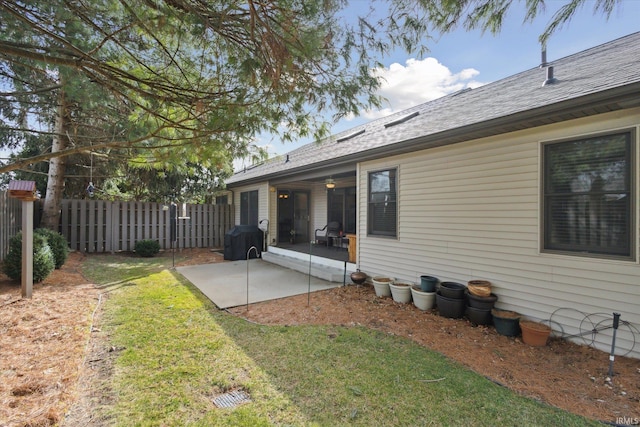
[(10, 221), (102, 226)]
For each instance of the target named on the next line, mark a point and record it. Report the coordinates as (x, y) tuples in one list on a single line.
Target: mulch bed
[(42, 345)]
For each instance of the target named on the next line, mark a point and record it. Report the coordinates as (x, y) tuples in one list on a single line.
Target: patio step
[(322, 268)]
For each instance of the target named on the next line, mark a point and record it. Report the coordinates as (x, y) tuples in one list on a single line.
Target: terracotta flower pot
[(534, 333)]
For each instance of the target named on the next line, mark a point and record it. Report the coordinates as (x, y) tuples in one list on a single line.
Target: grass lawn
[(177, 351)]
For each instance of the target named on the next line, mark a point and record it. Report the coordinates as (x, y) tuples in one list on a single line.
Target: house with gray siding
[(530, 182)]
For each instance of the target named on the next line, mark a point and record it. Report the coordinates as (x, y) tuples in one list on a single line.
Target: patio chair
[(325, 234)]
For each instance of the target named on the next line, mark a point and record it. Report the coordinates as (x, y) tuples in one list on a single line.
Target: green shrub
[(43, 259), (58, 245), (147, 248)]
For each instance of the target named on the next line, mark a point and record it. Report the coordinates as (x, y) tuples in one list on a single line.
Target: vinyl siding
[(471, 211)]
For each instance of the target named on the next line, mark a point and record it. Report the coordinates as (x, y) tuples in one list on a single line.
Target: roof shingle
[(601, 69)]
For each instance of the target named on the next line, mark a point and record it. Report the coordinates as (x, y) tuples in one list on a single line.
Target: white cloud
[(418, 81), (403, 86)]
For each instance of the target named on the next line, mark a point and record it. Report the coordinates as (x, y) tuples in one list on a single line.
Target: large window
[(587, 196), (249, 207), (382, 214)]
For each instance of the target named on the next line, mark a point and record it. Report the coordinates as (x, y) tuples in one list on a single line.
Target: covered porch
[(293, 210), (300, 207)]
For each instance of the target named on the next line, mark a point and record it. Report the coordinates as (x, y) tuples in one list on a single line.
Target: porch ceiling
[(315, 176)]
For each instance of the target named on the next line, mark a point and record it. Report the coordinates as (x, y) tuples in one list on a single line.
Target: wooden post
[(352, 247), (26, 191), (27, 249)]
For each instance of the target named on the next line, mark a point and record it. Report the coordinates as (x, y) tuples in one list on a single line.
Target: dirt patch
[(55, 360)]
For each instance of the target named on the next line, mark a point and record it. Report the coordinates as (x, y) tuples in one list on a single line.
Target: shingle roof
[(585, 80)]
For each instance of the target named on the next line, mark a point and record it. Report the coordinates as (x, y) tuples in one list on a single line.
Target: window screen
[(382, 215), (587, 196), (249, 208)]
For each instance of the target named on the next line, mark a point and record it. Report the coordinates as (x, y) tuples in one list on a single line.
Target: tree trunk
[(55, 181)]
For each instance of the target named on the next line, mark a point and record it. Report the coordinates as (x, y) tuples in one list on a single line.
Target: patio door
[(293, 216), (301, 216)]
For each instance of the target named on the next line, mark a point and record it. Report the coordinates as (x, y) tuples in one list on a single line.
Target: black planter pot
[(507, 323), (450, 307), (428, 283), (484, 303), (479, 316), (452, 290)]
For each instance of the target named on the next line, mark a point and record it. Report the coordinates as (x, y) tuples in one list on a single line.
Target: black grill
[(240, 239)]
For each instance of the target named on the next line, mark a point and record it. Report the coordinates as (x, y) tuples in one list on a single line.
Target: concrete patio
[(234, 283)]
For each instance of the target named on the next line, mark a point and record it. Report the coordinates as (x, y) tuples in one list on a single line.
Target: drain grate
[(231, 399)]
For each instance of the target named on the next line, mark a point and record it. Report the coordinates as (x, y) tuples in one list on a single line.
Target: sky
[(464, 59)]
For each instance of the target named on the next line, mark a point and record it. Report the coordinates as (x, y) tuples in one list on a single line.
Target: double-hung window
[(588, 201), (382, 203), (249, 207)]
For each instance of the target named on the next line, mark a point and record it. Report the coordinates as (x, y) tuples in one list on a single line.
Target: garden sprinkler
[(616, 323)]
